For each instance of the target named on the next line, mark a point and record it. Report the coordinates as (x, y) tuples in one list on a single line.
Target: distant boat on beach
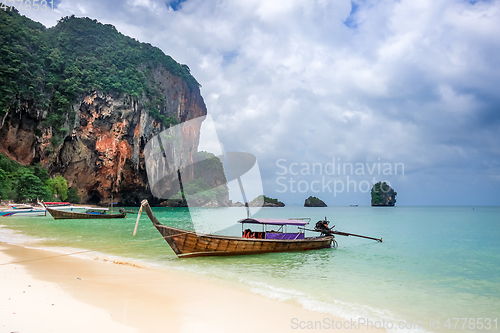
[(23, 210), (30, 210), (65, 206), (94, 213), (187, 243), (353, 205)]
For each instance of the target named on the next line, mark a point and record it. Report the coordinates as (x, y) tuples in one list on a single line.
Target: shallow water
[(436, 263)]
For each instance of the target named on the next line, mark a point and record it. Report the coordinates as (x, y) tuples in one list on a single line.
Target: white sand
[(69, 294), (31, 305)]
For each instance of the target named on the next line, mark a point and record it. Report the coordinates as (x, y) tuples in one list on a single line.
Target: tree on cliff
[(383, 195), (73, 196), (41, 173), (29, 188), (58, 186), (7, 170), (21, 64), (4, 184), (21, 183)]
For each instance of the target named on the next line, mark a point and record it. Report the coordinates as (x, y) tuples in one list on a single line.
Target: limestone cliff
[(102, 156), (97, 98), (207, 188)]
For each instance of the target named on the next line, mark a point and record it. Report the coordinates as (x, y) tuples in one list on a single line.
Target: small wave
[(337, 308), (14, 237), (277, 293)]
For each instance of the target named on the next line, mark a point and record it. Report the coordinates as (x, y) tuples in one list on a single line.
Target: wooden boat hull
[(59, 215), (191, 244)]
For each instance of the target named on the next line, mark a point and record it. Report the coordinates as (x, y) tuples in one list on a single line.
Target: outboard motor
[(322, 226)]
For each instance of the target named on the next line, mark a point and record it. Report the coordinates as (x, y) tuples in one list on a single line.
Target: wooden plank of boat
[(187, 243), (59, 215)]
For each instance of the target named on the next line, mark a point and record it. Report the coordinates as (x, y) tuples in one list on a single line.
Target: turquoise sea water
[(436, 263)]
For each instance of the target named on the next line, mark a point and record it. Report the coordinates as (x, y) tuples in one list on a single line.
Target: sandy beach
[(70, 294)]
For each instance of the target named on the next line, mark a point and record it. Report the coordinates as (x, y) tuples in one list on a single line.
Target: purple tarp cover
[(285, 235), (274, 221)]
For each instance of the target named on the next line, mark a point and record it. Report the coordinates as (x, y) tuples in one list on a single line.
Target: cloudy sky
[(377, 86)]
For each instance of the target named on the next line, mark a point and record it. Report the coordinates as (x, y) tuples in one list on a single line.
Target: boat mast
[(180, 184), (244, 196), (239, 183)]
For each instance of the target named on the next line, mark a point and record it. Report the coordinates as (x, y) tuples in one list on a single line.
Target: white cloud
[(414, 81)]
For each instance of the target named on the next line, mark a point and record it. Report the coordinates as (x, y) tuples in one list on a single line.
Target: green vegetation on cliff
[(26, 184), (49, 69), (383, 195), (58, 186), (73, 196), (209, 183), (200, 192), (22, 52)]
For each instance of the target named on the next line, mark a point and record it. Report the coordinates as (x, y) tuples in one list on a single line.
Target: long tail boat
[(59, 214), (187, 243), (23, 210)]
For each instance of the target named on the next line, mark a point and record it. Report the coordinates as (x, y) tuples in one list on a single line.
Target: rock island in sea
[(263, 201), (314, 202), (383, 195)]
